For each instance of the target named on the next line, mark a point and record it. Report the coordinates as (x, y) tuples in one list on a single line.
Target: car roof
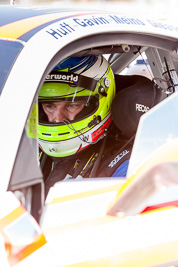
[(23, 22)]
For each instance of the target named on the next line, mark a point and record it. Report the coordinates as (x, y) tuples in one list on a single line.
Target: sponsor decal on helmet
[(118, 158), (64, 77)]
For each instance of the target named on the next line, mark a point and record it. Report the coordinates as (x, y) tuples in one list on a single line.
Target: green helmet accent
[(88, 80)]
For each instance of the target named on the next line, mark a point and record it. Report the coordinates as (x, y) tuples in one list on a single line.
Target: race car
[(95, 221)]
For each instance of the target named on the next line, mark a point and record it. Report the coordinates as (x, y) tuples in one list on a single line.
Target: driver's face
[(60, 111)]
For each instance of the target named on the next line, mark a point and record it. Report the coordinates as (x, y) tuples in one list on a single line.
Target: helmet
[(88, 80)]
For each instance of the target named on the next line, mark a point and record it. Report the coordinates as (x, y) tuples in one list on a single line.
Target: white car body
[(78, 226)]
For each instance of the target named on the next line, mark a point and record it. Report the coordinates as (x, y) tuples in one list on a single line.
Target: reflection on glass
[(156, 127), (32, 129)]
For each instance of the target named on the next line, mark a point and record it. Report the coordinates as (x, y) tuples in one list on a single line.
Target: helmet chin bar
[(68, 147), (96, 120), (84, 138)]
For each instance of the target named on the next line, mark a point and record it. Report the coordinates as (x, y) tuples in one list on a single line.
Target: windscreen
[(26, 170), (156, 127), (9, 51)]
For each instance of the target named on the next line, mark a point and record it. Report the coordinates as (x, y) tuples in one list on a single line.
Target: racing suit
[(107, 158), (110, 156)]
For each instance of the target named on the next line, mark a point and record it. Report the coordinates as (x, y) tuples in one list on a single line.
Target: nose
[(60, 115)]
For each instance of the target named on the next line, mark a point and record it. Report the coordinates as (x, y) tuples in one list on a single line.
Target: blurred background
[(156, 8)]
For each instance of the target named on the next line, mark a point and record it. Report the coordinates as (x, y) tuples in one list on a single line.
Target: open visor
[(72, 79), (67, 87)]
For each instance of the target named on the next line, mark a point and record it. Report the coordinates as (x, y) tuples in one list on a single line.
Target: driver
[(77, 137), (75, 106)]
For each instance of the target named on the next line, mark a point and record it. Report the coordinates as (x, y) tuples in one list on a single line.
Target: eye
[(72, 107), (48, 107)]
